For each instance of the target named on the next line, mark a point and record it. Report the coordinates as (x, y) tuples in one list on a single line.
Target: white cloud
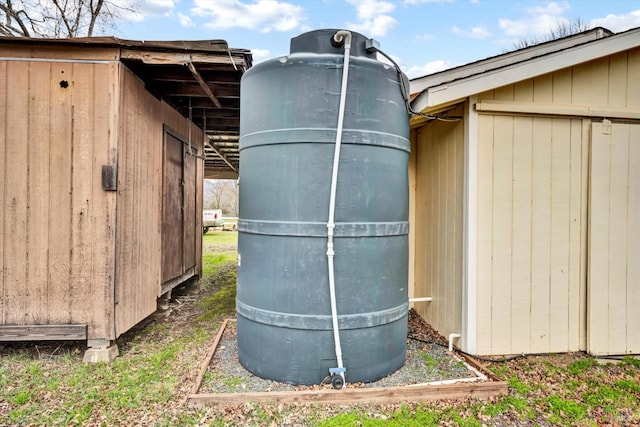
[(428, 68), (261, 15), (426, 1), (542, 19), (551, 8), (370, 9), (260, 55), (617, 23), (374, 18), (377, 27), (474, 33), (185, 20)]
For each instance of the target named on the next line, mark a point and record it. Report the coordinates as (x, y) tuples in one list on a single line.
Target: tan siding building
[(101, 187), (524, 224)]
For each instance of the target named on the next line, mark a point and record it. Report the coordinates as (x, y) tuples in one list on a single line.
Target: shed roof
[(200, 79), (437, 90)]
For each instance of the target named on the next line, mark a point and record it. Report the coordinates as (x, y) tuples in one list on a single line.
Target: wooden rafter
[(204, 85)]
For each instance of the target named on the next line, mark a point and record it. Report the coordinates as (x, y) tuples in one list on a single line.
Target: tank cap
[(321, 41)]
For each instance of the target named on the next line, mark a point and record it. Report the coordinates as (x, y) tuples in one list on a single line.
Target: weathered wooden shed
[(525, 184), (102, 149)]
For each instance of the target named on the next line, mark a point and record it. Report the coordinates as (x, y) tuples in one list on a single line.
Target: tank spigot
[(337, 377)]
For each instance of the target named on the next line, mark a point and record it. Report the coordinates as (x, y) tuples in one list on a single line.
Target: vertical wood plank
[(562, 91), (60, 141), (485, 232), (81, 200), (584, 232), (577, 184), (3, 167), (617, 83), (633, 84), (599, 225), (15, 197), (412, 214), (521, 271), (502, 218), (457, 258), (618, 237), (541, 235), (560, 228), (633, 249), (37, 303), (543, 88), (590, 82), (103, 220)]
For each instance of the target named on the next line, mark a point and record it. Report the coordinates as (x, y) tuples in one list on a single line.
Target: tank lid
[(319, 41)]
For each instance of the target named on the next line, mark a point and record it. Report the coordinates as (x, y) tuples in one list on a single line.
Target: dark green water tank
[(289, 114)]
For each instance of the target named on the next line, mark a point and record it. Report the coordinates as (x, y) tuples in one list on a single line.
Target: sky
[(423, 36)]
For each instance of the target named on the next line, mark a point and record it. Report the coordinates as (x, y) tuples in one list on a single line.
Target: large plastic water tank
[(289, 113)]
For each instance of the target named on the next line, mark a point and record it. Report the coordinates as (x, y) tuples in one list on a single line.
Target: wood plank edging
[(416, 393), (208, 357)]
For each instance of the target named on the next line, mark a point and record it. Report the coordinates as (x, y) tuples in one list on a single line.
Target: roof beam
[(204, 85), (219, 152)]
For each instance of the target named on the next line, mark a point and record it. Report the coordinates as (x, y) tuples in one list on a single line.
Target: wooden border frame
[(419, 392)]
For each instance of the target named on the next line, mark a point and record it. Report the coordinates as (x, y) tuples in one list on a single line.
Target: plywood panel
[(590, 82), (560, 229), (502, 220), (37, 302), (485, 233), (59, 262), (81, 198), (15, 193), (617, 94), (438, 224), (3, 145), (613, 261), (599, 224), (633, 84), (633, 248), (104, 105), (139, 190), (522, 233), (541, 236)]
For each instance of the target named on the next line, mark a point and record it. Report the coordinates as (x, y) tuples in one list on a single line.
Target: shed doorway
[(178, 209), (613, 295)]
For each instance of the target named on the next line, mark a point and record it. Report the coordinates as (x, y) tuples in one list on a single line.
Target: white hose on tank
[(338, 38)]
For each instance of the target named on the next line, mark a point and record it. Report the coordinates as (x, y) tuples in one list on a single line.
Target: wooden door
[(613, 295), (172, 211)]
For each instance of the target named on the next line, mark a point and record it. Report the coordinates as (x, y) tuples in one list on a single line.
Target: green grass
[(148, 383)]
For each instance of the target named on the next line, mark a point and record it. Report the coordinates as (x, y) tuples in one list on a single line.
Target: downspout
[(337, 374)]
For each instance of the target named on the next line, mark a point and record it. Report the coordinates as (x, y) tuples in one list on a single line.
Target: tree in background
[(222, 194), (58, 18), (562, 29)]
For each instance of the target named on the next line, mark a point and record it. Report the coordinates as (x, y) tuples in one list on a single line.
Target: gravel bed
[(425, 362)]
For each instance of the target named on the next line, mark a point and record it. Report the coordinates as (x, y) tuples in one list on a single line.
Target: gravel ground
[(425, 362)]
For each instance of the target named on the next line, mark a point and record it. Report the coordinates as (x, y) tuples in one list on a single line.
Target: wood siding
[(57, 223), (614, 247), (438, 155), (140, 195), (531, 234), (72, 252)]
